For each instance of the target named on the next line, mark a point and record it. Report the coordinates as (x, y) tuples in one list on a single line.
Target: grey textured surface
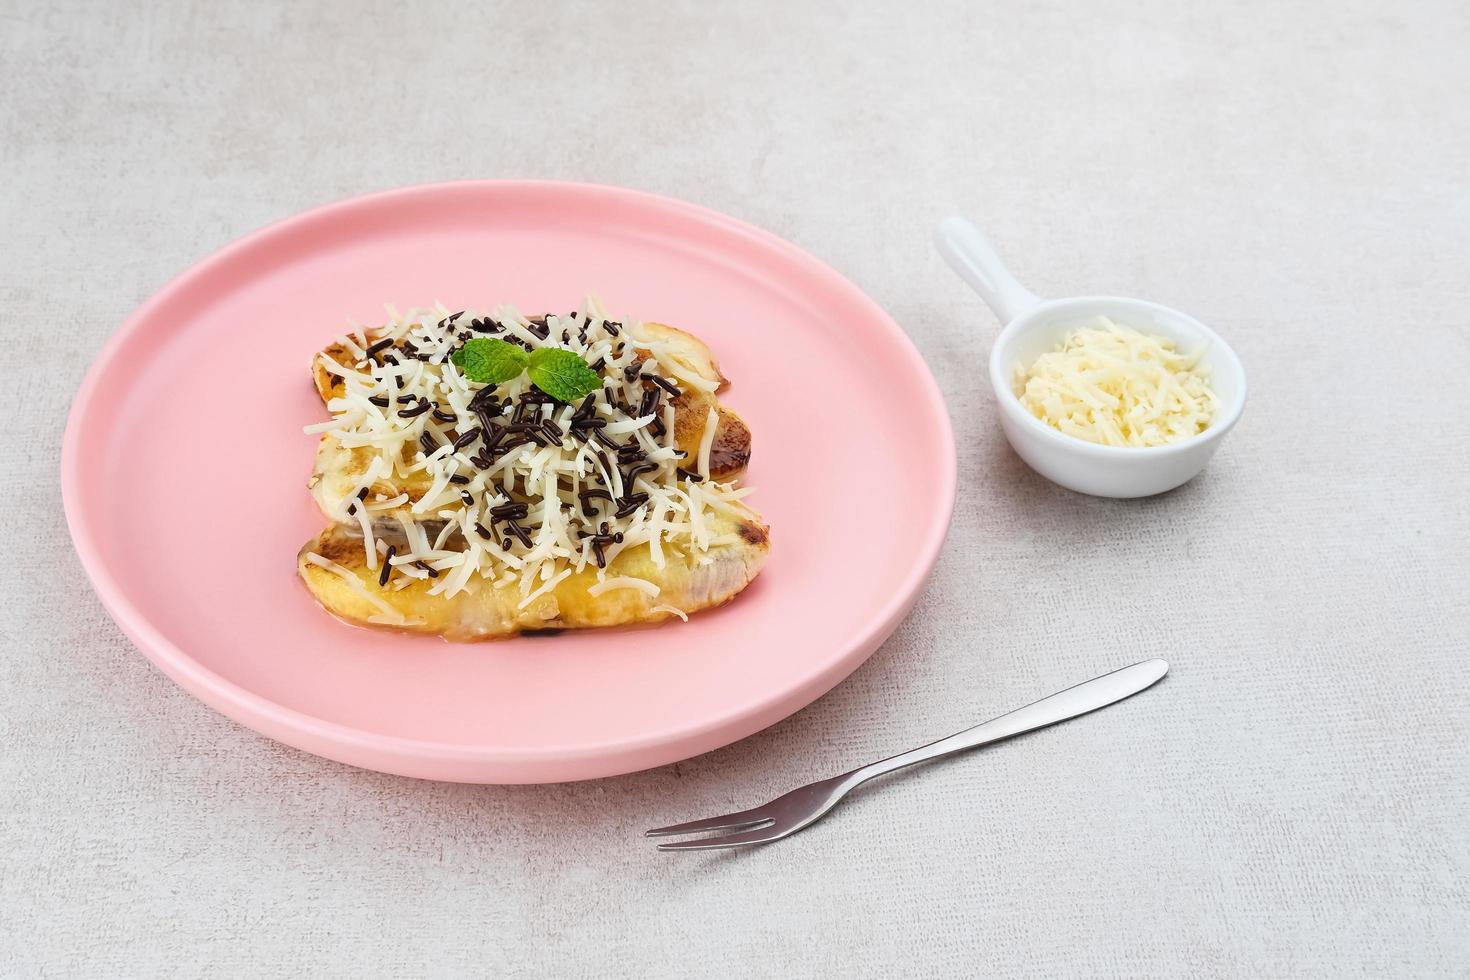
[(1292, 800)]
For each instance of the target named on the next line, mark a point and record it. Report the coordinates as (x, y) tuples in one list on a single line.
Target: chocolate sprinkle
[(587, 496), (630, 503), (664, 383), (634, 472), (650, 402), (465, 439), (519, 532), (600, 540), (387, 568), (487, 420)]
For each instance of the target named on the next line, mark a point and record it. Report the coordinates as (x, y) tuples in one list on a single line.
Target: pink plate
[(184, 475)]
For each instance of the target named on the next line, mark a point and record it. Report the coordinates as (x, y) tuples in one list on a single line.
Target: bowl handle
[(972, 256)]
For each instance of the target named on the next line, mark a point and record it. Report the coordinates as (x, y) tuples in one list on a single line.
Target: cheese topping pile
[(522, 489), (1113, 385)]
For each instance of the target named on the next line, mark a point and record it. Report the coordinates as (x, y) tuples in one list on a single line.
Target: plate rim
[(278, 722)]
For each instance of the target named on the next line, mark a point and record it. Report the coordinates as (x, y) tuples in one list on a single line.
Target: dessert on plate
[(489, 474)]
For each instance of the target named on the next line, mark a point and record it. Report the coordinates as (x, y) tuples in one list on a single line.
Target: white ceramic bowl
[(1035, 326)]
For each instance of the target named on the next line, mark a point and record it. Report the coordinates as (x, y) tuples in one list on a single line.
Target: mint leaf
[(489, 360), (562, 374)]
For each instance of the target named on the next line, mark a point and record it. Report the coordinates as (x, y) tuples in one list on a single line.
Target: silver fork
[(800, 808)]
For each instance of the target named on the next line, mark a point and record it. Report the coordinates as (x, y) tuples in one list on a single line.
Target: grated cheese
[(1112, 385), (369, 545), (624, 582), (707, 441), (546, 587)]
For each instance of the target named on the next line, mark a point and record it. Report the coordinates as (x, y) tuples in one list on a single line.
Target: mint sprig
[(560, 373), (489, 360)]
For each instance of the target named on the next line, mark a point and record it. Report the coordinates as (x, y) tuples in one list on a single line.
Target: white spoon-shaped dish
[(1034, 326)]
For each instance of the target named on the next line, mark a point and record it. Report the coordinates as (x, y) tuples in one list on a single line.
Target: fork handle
[(1087, 696)]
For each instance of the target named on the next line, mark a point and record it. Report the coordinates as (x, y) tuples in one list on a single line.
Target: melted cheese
[(386, 614), (1111, 384)]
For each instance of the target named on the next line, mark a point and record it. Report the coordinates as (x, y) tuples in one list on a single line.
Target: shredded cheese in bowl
[(1113, 385)]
